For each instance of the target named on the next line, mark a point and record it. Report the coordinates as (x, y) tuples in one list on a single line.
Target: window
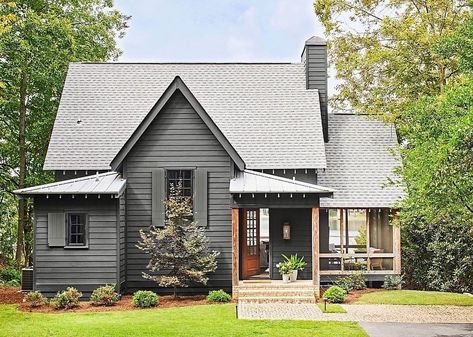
[(76, 229), (184, 177)]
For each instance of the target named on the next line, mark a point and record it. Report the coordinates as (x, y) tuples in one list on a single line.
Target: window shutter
[(56, 229), (158, 195), (200, 197)]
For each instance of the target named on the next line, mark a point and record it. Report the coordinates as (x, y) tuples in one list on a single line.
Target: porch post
[(235, 252), (396, 243), (315, 251)]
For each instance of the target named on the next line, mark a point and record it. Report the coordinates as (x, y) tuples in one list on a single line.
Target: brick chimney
[(314, 58)]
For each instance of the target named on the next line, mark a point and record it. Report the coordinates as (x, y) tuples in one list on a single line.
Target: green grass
[(205, 320), (415, 297), (332, 308)]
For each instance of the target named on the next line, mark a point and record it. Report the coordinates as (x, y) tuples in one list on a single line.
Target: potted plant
[(295, 264), (285, 271)]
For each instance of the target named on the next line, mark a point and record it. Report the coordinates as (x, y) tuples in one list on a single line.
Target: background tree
[(35, 51), (410, 62), (179, 254), (382, 50), (438, 170)]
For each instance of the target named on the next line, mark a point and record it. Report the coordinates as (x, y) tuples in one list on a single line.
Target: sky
[(217, 30)]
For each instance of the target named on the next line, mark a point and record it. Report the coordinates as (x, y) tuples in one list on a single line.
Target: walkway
[(359, 313)]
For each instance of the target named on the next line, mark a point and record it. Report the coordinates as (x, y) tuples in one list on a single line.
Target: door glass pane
[(251, 232)]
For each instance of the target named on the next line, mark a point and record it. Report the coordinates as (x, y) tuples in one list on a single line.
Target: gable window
[(184, 177), (76, 229)]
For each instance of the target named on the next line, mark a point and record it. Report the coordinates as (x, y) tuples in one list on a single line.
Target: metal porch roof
[(104, 183), (249, 181)]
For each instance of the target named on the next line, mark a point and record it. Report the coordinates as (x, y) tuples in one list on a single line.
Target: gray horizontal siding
[(86, 269), (177, 138), (300, 242)]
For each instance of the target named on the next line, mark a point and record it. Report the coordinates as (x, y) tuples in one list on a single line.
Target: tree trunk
[(22, 211)]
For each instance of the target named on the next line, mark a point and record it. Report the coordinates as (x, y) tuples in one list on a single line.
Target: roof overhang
[(253, 182), (105, 183), (176, 84)]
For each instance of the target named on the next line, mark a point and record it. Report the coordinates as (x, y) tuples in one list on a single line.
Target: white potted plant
[(285, 271), (295, 264)]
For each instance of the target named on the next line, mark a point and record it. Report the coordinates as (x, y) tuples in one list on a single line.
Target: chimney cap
[(316, 41)]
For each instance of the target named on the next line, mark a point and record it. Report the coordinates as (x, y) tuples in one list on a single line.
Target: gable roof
[(104, 183), (360, 163), (250, 181), (176, 85), (263, 110)]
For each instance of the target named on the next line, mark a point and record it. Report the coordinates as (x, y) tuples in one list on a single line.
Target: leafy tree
[(382, 50), (179, 254), (438, 171), (43, 38)]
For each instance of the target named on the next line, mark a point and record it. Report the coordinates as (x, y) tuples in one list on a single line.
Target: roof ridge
[(193, 63)]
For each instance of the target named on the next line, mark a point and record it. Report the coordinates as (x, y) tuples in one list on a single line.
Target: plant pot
[(294, 276), (286, 278)]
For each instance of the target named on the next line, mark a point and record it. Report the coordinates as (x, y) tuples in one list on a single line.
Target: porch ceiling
[(249, 181)]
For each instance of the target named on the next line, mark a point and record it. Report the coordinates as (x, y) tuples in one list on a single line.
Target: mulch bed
[(353, 296), (356, 294), (10, 295), (123, 304), (13, 296)]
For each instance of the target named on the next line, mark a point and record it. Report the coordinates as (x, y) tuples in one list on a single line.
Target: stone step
[(277, 299), (245, 292)]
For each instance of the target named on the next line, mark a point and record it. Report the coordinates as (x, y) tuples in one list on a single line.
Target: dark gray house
[(270, 172)]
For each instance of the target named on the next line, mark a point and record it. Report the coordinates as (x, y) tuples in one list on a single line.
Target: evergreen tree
[(179, 254)]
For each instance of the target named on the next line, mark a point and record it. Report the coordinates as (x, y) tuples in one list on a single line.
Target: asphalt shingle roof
[(264, 110), (359, 163)]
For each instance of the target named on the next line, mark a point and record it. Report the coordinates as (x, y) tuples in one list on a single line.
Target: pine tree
[(179, 254)]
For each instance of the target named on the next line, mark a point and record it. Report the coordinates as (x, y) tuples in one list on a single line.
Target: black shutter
[(56, 229), (158, 195), (200, 197)]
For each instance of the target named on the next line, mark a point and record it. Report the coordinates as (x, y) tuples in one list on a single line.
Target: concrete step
[(277, 299), (246, 292)]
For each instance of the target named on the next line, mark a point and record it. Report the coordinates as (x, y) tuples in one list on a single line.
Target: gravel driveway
[(359, 313)]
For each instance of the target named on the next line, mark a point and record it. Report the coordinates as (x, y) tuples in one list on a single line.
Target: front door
[(250, 243)]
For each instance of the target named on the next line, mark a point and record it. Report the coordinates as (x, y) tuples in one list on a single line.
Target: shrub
[(66, 299), (294, 262), (335, 294), (218, 296), (145, 299), (358, 281), (10, 275), (392, 282), (345, 283), (105, 295), (35, 299)]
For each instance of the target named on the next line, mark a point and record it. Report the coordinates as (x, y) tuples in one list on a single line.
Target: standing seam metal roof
[(264, 110)]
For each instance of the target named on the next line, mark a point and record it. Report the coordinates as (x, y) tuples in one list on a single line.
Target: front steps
[(275, 292)]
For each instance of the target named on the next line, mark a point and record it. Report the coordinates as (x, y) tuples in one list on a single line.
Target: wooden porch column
[(396, 243), (235, 252), (315, 251)]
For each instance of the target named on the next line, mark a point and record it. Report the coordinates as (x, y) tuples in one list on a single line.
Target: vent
[(27, 279)]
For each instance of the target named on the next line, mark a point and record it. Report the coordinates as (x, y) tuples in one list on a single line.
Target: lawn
[(332, 308), (415, 297), (204, 320)]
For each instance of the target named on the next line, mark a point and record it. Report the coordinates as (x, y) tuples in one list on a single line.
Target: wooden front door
[(250, 246)]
